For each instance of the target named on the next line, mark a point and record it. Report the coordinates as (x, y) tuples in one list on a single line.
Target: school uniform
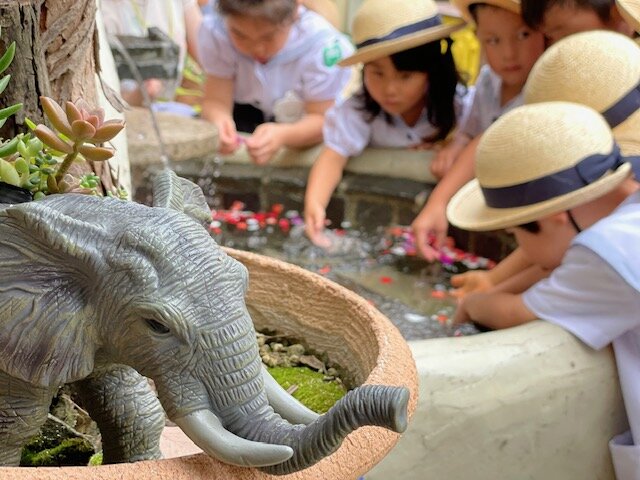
[(134, 17), (348, 130), (304, 70), (595, 294), (485, 107)]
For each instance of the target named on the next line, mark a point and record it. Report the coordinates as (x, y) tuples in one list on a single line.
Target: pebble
[(415, 318)]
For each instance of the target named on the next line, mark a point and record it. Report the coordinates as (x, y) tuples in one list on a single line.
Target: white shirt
[(134, 17), (348, 132), (485, 107), (305, 66), (595, 294)]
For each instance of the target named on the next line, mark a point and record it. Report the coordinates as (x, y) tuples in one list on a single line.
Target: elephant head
[(86, 281)]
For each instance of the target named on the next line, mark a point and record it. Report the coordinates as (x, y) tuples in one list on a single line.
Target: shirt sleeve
[(587, 297), (345, 129), (216, 54), (322, 78)]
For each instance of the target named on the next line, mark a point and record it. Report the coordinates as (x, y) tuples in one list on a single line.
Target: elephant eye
[(157, 327)]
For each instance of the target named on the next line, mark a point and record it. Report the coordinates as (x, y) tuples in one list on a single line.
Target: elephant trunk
[(377, 405)]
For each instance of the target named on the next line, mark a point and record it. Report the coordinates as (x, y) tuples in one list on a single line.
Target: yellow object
[(466, 51)]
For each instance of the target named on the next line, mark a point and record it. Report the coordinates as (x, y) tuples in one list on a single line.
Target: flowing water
[(381, 267)]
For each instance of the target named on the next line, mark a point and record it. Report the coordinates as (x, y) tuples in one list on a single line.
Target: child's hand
[(431, 221), (444, 159), (314, 220), (471, 282), (227, 136), (264, 143)]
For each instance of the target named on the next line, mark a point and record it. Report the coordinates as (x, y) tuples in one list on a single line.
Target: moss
[(72, 451), (313, 391), (95, 460)]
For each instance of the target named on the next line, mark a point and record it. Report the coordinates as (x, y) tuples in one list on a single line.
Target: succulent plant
[(5, 61), (40, 161), (80, 130)]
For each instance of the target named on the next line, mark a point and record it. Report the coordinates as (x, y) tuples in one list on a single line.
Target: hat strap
[(560, 183), (402, 31), (623, 108)]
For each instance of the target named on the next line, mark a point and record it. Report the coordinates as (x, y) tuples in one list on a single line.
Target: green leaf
[(7, 58), (32, 126), (7, 112), (4, 82)]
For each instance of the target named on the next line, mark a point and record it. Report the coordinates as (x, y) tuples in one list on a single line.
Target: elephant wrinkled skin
[(102, 293)]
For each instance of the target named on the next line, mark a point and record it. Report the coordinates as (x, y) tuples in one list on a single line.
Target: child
[(407, 97), (269, 60), (511, 48), (553, 175), (560, 18), (577, 69)]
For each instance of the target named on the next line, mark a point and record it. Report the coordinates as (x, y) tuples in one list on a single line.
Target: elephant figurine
[(101, 293)]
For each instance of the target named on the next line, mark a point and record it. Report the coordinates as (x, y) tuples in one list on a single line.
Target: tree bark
[(56, 47)]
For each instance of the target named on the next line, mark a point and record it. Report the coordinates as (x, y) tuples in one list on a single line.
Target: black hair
[(533, 10), (274, 11), (473, 10), (437, 62), (531, 227)]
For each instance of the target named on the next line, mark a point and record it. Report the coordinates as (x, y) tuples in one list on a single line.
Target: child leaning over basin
[(600, 69), (271, 71), (407, 98), (552, 174), (511, 49), (557, 19)]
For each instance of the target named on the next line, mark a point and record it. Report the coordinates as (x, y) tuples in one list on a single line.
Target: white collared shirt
[(485, 107), (305, 66), (348, 132)]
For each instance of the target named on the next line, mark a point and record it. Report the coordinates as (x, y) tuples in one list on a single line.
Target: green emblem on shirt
[(332, 54)]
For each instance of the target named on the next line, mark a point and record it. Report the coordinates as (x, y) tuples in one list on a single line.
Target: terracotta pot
[(330, 318)]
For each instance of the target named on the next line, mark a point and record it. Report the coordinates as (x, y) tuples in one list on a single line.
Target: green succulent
[(5, 61)]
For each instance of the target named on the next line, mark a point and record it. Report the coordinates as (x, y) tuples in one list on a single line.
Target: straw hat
[(463, 6), (383, 27), (537, 160), (599, 69), (630, 11)]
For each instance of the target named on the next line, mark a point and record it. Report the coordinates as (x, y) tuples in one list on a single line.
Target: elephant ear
[(177, 193), (48, 269)]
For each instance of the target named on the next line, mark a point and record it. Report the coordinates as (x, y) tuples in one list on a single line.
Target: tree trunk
[(56, 55)]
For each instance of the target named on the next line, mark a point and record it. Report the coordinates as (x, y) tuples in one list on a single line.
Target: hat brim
[(389, 47), (463, 7), (468, 210), (630, 11)]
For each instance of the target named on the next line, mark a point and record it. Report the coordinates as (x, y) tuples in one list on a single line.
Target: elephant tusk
[(207, 432), (284, 404)]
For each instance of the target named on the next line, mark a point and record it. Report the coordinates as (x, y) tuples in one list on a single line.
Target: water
[(381, 267)]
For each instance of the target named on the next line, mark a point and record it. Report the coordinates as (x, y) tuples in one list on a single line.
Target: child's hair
[(273, 11), (437, 62), (474, 7), (533, 10)]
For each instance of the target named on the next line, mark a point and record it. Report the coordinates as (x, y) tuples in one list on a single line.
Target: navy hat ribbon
[(560, 183), (402, 31), (623, 108)]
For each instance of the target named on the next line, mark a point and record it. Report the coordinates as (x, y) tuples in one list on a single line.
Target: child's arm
[(432, 218), (217, 107), (192, 21), (493, 310), (479, 281), (268, 138), (445, 157), (323, 179)]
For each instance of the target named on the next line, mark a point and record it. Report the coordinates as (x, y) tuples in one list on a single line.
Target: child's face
[(397, 92), (548, 246), (562, 20), (511, 48), (256, 37)]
